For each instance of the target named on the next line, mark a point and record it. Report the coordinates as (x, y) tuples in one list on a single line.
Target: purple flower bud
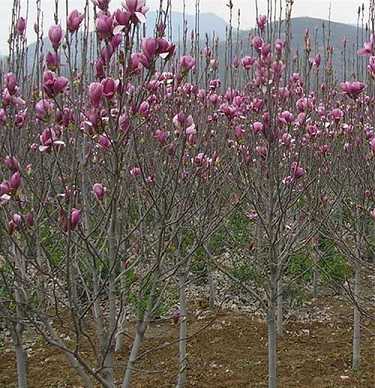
[(12, 163), (149, 48), (104, 25), (55, 35), (102, 4), (352, 89), (99, 191), (261, 22), (43, 108), (74, 21), (187, 63), (52, 61), (104, 142), (135, 172), (95, 93), (75, 218), (15, 181), (21, 25), (11, 83), (4, 188), (109, 87)]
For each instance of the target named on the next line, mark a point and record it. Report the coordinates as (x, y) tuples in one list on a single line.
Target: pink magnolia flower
[(187, 63), (337, 114), (161, 136), (257, 127), (372, 214), (247, 62), (29, 218), (286, 117), (52, 61), (297, 170), (368, 47), (104, 142), (371, 66), (317, 60), (261, 22), (11, 83), (95, 93), (43, 108), (352, 89), (75, 218), (48, 139), (4, 188), (3, 116), (99, 191), (55, 35), (372, 144), (137, 10), (150, 47), (110, 87), (12, 163), (52, 84), (135, 172), (104, 25), (102, 4), (144, 109), (74, 21), (21, 25), (15, 181), (122, 18)]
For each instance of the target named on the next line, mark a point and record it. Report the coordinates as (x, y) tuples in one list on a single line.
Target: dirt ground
[(229, 353)]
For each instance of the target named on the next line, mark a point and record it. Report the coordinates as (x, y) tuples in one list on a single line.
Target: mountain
[(318, 29), (209, 24)]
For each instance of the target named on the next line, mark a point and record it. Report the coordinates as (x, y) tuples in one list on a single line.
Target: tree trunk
[(211, 280), (356, 320), (21, 358), (212, 286), (272, 331), (182, 374), (280, 318), (141, 328), (316, 275), (120, 336)]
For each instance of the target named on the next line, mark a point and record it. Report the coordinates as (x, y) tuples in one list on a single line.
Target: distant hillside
[(318, 28), (319, 31), (209, 23)]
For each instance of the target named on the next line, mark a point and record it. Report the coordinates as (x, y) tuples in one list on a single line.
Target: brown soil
[(229, 353)]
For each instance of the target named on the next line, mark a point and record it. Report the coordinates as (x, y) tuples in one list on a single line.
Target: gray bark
[(141, 328), (183, 364), (280, 318), (356, 321), (21, 358)]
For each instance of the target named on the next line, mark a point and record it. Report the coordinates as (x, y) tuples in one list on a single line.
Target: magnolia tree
[(111, 190), (350, 182), (118, 168)]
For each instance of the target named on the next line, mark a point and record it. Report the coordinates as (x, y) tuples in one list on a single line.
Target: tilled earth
[(228, 350)]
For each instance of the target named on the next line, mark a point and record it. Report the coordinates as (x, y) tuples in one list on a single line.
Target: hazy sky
[(342, 10)]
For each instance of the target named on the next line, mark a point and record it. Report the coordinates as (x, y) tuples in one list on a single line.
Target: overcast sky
[(342, 10)]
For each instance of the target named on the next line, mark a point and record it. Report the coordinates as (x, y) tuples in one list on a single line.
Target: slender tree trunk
[(183, 364), (211, 281), (21, 358), (120, 336), (141, 329), (316, 275), (280, 318), (212, 286), (272, 332), (20, 295), (356, 320)]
